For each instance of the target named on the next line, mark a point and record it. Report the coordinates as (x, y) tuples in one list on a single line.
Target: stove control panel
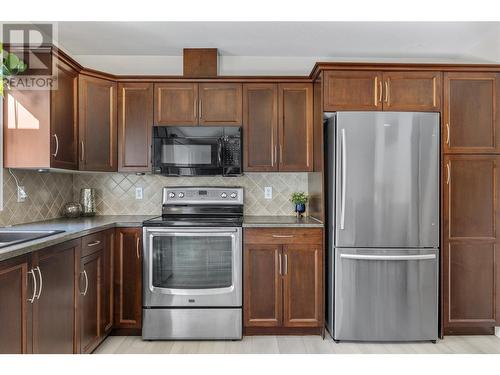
[(203, 195)]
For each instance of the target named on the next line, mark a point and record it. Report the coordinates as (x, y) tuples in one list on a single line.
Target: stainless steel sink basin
[(10, 237)]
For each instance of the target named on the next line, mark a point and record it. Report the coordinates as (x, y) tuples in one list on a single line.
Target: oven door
[(192, 267)]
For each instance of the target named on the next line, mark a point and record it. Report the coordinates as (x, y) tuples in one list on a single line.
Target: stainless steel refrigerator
[(383, 225)]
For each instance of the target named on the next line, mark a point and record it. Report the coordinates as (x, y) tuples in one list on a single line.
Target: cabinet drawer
[(284, 236), (92, 243)]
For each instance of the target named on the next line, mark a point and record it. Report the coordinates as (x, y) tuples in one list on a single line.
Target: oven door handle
[(209, 231)]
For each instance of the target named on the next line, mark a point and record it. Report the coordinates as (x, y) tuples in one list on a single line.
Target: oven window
[(192, 154), (192, 262)]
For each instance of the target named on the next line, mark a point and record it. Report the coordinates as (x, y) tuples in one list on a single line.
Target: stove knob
[(233, 195), (171, 195), (223, 195), (181, 195)]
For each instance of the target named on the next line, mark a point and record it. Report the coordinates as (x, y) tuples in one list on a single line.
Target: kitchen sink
[(10, 237)]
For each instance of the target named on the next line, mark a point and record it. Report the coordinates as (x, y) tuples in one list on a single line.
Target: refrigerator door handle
[(388, 257), (344, 170)]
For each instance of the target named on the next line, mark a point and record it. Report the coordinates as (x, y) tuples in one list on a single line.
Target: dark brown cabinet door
[(220, 104), (262, 286), (107, 281), (135, 122), (90, 301), (176, 104), (302, 285), (54, 324), (412, 91), (97, 124), (352, 91), (15, 285), (64, 118), (295, 127), (128, 278), (470, 121), (260, 127), (470, 241)]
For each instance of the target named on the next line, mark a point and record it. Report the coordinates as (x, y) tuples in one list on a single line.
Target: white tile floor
[(297, 344)]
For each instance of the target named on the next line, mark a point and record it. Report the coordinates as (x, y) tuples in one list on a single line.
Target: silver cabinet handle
[(84, 273), (282, 236), (82, 156), (344, 169), (94, 243), (379, 89), (279, 261), (57, 145), (388, 257), (30, 300), (200, 107), (194, 107), (448, 134), (286, 265), (275, 154), (281, 153), (448, 173), (41, 282), (386, 91), (137, 248)]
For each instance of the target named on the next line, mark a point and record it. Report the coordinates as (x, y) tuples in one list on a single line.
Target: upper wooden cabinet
[(176, 104), (213, 104), (412, 91), (295, 124), (220, 104), (260, 127), (41, 126), (135, 123), (377, 91), (352, 90), (97, 124), (471, 251), (470, 121)]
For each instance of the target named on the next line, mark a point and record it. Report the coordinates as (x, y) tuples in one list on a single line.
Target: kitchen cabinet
[(90, 300), (295, 124), (278, 127), (470, 118), (41, 126), (470, 243), (107, 281), (135, 122), (16, 286), (97, 124), (54, 321), (128, 278), (260, 127), (220, 104), (353, 90), (176, 104), (283, 280)]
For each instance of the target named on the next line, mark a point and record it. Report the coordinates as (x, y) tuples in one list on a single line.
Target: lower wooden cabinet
[(470, 268), (16, 286), (128, 278), (283, 280)]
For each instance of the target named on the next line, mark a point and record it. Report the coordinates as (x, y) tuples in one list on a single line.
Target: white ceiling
[(326, 39)]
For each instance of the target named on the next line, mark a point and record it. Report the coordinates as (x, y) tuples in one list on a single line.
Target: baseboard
[(254, 331)]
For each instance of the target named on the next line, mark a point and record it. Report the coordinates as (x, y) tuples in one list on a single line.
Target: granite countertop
[(73, 228), (281, 221)]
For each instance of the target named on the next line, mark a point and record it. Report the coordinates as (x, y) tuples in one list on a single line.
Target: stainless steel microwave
[(197, 150)]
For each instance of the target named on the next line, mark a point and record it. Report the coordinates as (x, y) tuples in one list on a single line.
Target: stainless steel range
[(192, 266)]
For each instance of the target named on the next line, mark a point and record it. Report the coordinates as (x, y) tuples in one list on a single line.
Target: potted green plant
[(299, 199)]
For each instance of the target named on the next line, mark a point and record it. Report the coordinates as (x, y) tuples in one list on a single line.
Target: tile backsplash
[(115, 192), (47, 194)]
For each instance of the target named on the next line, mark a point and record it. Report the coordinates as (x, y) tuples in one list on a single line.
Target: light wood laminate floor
[(297, 345)]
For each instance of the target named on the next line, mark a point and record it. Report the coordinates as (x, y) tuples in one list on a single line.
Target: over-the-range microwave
[(197, 150)]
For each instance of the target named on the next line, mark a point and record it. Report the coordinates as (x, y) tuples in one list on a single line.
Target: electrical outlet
[(268, 192), (139, 193), (21, 194)]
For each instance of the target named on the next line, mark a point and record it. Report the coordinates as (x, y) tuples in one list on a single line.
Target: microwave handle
[(219, 151)]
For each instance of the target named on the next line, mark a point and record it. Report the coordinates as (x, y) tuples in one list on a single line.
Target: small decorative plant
[(299, 199), (11, 65)]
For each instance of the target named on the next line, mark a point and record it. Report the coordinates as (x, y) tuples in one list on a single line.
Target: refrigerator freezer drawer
[(386, 294)]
